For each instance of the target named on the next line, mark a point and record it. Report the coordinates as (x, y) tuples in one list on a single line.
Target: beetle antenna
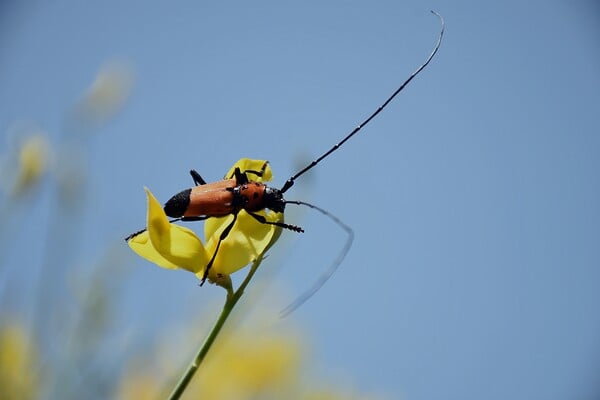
[(327, 274), (290, 182)]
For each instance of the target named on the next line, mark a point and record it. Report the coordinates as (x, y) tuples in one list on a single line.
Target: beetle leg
[(258, 173), (263, 220), (197, 178), (221, 238), (240, 177), (190, 219)]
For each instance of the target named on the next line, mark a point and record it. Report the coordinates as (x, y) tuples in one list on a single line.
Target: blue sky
[(474, 196)]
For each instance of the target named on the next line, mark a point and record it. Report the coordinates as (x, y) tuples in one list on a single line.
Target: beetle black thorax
[(273, 199)]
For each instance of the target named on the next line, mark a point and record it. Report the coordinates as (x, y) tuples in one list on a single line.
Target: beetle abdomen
[(212, 199)]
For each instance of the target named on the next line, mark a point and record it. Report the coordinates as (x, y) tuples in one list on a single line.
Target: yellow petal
[(245, 164), (108, 93), (247, 240), (168, 245), (142, 246), (33, 160)]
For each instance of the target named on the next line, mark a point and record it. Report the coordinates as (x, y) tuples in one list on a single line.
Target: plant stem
[(230, 302)]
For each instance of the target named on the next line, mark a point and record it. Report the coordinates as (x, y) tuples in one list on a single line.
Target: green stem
[(230, 302)]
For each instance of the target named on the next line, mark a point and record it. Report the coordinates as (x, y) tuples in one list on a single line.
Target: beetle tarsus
[(283, 225)]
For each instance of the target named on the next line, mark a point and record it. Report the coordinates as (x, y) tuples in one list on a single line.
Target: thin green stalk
[(230, 302)]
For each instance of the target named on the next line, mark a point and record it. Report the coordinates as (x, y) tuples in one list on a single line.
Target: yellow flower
[(17, 364), (33, 159), (172, 246), (250, 365), (245, 363), (139, 386), (107, 94)]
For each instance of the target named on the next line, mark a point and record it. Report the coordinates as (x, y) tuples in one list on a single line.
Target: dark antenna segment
[(290, 182)]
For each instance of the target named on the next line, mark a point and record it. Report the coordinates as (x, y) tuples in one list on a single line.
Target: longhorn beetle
[(239, 192)]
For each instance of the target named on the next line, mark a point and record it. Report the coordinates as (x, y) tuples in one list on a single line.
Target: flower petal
[(247, 240), (245, 164), (143, 247), (166, 244), (33, 161)]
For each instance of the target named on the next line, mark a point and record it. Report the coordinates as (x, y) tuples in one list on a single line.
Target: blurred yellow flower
[(32, 162), (139, 386), (172, 246), (245, 363), (107, 94), (17, 364)]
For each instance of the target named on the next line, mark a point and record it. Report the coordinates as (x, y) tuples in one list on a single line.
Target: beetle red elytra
[(239, 192)]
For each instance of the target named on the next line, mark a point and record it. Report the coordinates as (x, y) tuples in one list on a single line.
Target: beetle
[(239, 192)]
